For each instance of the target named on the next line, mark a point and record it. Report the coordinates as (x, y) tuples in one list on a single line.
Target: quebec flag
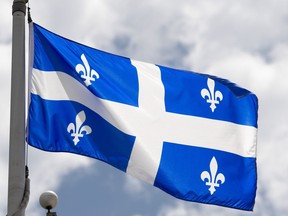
[(191, 135)]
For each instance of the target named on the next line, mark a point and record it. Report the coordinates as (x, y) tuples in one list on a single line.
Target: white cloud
[(5, 117), (6, 22), (274, 165), (133, 185), (250, 71)]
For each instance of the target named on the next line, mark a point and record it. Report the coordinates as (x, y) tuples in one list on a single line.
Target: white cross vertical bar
[(145, 157)]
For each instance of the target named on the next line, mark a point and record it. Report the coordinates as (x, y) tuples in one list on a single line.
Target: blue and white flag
[(191, 135)]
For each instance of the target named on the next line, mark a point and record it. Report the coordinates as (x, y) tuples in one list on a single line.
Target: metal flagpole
[(17, 179)]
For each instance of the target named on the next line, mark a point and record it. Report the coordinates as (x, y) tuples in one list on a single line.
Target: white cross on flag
[(189, 134)]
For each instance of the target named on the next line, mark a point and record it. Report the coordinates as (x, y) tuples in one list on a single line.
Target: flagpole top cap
[(19, 5), (48, 200)]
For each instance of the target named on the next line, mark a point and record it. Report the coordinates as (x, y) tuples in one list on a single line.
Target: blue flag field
[(192, 135)]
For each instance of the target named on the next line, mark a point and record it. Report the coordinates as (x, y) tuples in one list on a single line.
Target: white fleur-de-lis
[(212, 96), (213, 178), (79, 129), (86, 72)]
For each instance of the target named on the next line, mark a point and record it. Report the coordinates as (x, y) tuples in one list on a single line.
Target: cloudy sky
[(245, 41)]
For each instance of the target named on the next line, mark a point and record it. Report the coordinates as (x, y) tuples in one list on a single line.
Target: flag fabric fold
[(191, 135)]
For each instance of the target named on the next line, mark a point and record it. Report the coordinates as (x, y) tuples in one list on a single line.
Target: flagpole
[(16, 179)]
